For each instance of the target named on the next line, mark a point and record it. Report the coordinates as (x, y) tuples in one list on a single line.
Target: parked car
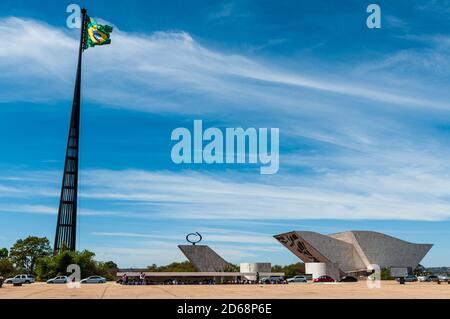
[(433, 278), (443, 277), (408, 278), (423, 278), (348, 279), (94, 280), (297, 279), (1, 281), (20, 279), (324, 278), (411, 278), (272, 280), (58, 280)]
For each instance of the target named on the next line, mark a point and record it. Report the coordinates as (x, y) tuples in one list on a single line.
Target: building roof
[(198, 274)]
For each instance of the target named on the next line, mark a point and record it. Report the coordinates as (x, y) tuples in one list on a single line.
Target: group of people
[(141, 280), (125, 280)]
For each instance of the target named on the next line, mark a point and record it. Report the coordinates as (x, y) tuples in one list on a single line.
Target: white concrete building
[(352, 252), (255, 268)]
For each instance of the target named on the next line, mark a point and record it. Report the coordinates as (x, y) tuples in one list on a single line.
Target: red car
[(324, 278)]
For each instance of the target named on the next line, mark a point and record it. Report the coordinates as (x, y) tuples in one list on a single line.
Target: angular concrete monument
[(204, 258), (352, 252)]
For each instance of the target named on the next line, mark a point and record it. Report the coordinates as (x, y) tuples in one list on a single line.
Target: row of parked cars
[(326, 278), (409, 278), (426, 278), (303, 279), (29, 279)]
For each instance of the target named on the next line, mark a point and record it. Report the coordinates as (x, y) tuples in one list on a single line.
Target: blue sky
[(363, 117)]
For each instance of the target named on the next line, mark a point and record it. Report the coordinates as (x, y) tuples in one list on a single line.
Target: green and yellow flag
[(96, 34)]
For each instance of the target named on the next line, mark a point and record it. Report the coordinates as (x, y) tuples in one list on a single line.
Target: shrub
[(385, 274)]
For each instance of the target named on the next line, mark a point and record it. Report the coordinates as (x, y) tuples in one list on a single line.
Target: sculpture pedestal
[(203, 258)]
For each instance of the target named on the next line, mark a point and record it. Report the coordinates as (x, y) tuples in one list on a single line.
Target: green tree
[(85, 259), (26, 252), (3, 253), (7, 268), (385, 274), (420, 270), (51, 266), (173, 267), (231, 268), (290, 270), (108, 269), (110, 265)]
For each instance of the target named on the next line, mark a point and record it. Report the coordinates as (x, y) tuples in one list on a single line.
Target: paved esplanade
[(389, 289)]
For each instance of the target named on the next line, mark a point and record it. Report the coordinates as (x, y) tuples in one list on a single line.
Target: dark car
[(324, 278), (433, 278), (409, 278), (348, 279), (1, 281), (273, 280)]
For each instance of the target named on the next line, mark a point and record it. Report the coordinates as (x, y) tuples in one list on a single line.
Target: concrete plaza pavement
[(111, 290)]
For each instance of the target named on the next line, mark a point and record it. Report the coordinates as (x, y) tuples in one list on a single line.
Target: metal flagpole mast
[(65, 237)]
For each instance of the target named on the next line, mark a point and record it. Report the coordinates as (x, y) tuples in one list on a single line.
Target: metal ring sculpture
[(196, 234)]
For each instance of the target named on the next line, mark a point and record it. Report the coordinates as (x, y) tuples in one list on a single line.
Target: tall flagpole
[(66, 226)]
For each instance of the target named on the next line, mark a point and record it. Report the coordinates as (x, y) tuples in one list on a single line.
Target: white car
[(58, 280), (297, 279), (423, 278), (20, 279), (94, 280), (443, 277)]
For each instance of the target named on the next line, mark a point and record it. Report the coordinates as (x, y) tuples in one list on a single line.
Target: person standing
[(142, 278)]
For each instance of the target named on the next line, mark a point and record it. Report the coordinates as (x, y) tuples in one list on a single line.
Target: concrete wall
[(353, 251), (387, 251), (315, 247), (320, 269), (316, 269), (336, 251), (383, 250), (255, 267), (204, 258)]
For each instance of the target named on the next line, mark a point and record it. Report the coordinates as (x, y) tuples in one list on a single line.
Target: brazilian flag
[(96, 34)]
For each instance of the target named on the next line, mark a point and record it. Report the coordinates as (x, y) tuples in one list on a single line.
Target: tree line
[(33, 255)]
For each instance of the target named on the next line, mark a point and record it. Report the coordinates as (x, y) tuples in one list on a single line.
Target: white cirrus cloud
[(402, 194), (138, 66)]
